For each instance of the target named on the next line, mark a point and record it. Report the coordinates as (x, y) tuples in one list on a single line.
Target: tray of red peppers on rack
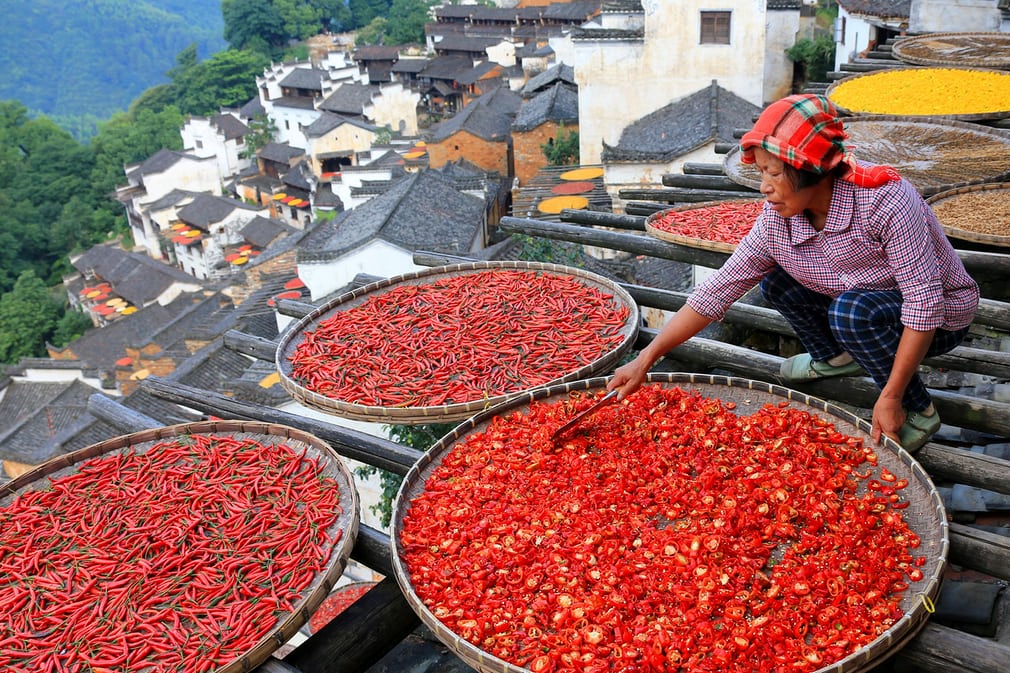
[(702, 523)]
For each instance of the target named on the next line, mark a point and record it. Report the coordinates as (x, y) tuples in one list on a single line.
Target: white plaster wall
[(624, 81), (953, 16), (855, 37), (395, 108), (290, 122), (344, 138), (377, 258), (782, 30), (195, 175), (202, 139)]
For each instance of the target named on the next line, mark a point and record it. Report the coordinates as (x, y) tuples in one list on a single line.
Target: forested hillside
[(79, 61)]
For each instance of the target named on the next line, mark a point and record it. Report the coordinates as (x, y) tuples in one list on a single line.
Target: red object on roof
[(124, 362), (182, 240), (232, 257), (289, 295), (573, 187), (101, 297), (294, 284)]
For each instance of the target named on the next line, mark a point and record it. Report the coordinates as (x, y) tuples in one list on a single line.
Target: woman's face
[(777, 187)]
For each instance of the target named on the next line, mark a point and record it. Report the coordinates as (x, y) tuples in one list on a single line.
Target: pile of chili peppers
[(459, 339), (726, 222), (181, 558), (666, 533)]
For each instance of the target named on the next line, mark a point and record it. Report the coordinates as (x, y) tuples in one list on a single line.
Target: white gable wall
[(201, 138), (377, 258), (626, 80), (395, 108)]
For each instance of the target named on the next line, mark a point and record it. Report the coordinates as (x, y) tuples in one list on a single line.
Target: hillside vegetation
[(79, 61)]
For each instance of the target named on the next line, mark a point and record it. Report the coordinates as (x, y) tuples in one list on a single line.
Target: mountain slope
[(93, 57)]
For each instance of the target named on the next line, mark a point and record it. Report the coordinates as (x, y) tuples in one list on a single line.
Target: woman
[(851, 255)]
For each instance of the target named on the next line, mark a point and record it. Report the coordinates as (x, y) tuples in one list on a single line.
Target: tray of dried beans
[(193, 548), (712, 225), (933, 154), (704, 523), (977, 213), (967, 49), (442, 344)]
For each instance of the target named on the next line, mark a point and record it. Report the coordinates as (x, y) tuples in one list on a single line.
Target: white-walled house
[(217, 222), (154, 178), (626, 73), (333, 142), (221, 136)]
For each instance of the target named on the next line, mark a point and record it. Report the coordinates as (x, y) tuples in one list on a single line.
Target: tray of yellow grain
[(933, 154), (972, 50), (976, 213), (966, 94)]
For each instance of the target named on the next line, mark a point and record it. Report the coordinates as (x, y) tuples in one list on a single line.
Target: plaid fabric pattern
[(806, 132), (864, 323), (882, 239)]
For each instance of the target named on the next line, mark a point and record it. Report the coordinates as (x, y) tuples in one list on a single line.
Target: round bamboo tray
[(264, 433), (974, 194), (888, 72), (925, 512), (413, 415), (933, 154), (691, 241), (973, 50)]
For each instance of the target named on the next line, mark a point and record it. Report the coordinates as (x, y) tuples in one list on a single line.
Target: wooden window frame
[(715, 27)]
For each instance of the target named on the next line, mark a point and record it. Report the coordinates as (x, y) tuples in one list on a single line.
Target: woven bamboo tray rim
[(272, 433), (905, 48), (691, 241), (964, 116), (890, 139), (967, 234), (926, 513), (446, 412)]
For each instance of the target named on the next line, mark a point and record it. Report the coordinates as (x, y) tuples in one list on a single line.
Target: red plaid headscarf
[(806, 132)]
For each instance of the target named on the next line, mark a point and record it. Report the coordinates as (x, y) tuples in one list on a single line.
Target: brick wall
[(491, 156), (529, 158)]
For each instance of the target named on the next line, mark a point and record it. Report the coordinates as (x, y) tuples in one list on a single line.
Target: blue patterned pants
[(864, 323)]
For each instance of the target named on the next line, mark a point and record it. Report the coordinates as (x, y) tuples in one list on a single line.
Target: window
[(715, 27)]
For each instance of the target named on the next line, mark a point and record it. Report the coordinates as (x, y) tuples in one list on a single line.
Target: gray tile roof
[(478, 72), (299, 178), (502, 99), (608, 34), (252, 108), (305, 78), (279, 152), (161, 161), (173, 198), (480, 120), (709, 115), (784, 4), (548, 78), (32, 414), (558, 104), (423, 210), (414, 65), (229, 126), (329, 121), (447, 67), (621, 6), (376, 52), (575, 11), (349, 99), (883, 9), (135, 277), (207, 209), (262, 231), (455, 43)]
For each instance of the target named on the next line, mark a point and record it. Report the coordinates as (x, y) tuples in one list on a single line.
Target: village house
[(550, 108), (620, 62), (480, 133), (221, 136)]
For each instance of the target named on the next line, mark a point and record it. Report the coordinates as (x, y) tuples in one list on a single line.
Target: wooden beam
[(349, 443), (699, 168), (980, 550), (360, 635), (708, 182), (681, 195), (960, 466), (940, 649), (992, 313)]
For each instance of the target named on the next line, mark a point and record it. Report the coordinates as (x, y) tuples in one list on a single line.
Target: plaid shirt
[(884, 238)]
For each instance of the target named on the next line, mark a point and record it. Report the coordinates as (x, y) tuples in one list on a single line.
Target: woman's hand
[(888, 417), (627, 378)]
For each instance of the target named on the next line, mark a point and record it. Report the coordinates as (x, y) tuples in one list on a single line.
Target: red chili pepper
[(646, 541)]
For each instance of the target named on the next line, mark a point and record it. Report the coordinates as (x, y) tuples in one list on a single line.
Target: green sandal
[(917, 430), (802, 367)]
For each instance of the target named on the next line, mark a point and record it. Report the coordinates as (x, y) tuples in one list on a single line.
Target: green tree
[(373, 33), (226, 79), (410, 19), (564, 149), (262, 130), (335, 15), (245, 20), (364, 11), (816, 56), (420, 437), (29, 315)]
